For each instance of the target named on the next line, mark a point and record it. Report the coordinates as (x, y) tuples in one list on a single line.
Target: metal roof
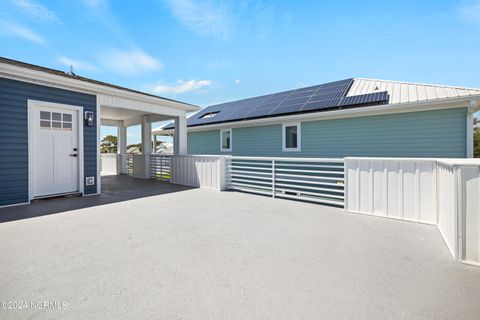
[(403, 92)]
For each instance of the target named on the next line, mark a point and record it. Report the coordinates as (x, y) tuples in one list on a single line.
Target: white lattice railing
[(307, 179)]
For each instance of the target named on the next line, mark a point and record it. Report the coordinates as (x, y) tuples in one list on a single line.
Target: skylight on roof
[(209, 115)]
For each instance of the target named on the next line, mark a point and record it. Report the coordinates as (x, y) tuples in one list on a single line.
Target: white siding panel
[(206, 172), (471, 178), (395, 188)]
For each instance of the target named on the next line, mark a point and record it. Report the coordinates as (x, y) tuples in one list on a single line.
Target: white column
[(180, 136), (121, 146), (146, 143)]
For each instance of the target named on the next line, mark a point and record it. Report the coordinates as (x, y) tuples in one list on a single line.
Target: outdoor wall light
[(89, 118)]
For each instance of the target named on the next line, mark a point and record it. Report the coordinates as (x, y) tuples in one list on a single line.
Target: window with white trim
[(226, 140), (55, 121), (291, 133)]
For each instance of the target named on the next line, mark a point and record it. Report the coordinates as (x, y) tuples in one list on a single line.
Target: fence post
[(273, 178)]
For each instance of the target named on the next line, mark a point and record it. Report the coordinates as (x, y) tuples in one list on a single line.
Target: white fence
[(436, 191), (207, 172), (110, 163), (307, 179), (459, 208), (396, 188)]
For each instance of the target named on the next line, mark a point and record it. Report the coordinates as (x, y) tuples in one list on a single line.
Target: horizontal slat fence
[(307, 179), (160, 168)]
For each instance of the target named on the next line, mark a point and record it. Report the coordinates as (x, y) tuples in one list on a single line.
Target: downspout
[(473, 107)]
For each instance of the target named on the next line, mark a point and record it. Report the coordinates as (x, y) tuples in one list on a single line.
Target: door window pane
[(67, 117), (67, 126), (56, 116), (56, 125), (45, 124), (44, 115)]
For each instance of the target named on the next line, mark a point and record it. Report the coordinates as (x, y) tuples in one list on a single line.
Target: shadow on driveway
[(114, 189)]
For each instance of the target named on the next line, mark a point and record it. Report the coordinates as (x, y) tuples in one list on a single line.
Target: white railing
[(206, 172), (127, 164), (397, 188), (448, 206), (459, 208), (160, 168), (442, 192), (308, 179), (110, 163)]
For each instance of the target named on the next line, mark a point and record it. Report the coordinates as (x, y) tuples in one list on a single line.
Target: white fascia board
[(448, 103), (40, 77)]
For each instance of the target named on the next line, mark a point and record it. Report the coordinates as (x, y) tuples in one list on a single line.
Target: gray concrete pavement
[(197, 254)]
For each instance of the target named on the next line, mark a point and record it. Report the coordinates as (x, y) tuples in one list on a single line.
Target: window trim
[(222, 149), (299, 136)]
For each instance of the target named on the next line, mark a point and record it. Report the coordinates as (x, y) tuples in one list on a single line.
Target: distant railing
[(109, 163), (160, 168), (127, 164), (308, 179)]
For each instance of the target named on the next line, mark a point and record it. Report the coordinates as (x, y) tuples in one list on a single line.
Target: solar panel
[(307, 99), (365, 98), (286, 109)]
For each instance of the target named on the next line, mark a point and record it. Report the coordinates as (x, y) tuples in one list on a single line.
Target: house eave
[(43, 78)]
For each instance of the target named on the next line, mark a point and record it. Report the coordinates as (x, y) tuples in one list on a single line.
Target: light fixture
[(89, 118)]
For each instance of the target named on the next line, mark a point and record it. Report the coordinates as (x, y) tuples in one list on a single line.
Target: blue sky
[(206, 52)]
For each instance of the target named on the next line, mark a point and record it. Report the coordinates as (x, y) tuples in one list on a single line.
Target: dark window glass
[(291, 140)]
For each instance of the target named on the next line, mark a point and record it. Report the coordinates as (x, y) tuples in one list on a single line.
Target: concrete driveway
[(196, 254)]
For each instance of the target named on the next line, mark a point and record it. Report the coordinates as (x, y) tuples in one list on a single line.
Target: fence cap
[(461, 162)]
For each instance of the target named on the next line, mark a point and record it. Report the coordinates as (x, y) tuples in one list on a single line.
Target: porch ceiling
[(111, 115)]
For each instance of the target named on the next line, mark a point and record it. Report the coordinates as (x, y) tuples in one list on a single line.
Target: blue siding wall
[(439, 133), (14, 135)]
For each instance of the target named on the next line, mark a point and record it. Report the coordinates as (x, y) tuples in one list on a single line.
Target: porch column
[(146, 143), (180, 136), (121, 146)]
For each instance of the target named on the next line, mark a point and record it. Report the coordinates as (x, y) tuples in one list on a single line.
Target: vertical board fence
[(391, 187), (307, 179), (206, 172), (443, 192)]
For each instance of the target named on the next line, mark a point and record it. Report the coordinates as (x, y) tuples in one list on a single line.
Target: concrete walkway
[(196, 254)]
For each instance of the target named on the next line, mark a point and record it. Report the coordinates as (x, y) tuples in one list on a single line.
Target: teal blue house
[(352, 117)]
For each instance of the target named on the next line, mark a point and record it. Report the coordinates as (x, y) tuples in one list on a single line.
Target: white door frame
[(36, 103)]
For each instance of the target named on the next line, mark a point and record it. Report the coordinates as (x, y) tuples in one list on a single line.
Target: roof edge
[(85, 80), (418, 83)]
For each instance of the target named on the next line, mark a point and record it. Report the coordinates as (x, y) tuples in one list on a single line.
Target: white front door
[(54, 150)]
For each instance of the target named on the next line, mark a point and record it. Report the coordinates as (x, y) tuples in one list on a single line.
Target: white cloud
[(131, 62), (470, 12), (15, 30), (237, 81), (77, 64), (208, 18), (36, 10), (182, 86)]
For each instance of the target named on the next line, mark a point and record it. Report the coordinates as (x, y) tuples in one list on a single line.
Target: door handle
[(74, 155)]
